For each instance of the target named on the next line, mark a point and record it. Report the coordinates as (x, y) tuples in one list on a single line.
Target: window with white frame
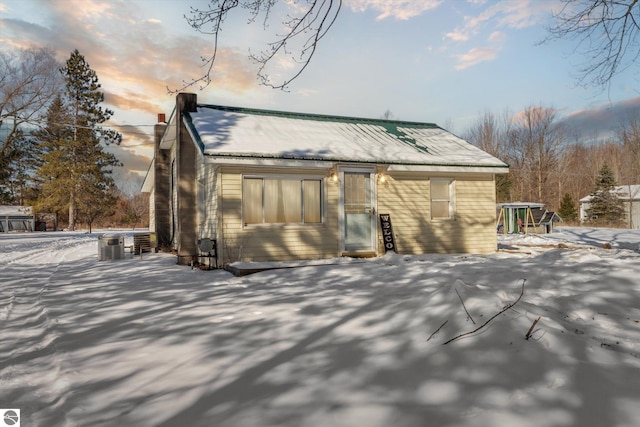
[(442, 200), (282, 200)]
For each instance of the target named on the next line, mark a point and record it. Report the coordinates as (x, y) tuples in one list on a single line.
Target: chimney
[(187, 102), (161, 118)]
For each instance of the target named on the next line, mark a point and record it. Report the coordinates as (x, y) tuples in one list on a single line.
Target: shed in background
[(525, 217), (16, 218)]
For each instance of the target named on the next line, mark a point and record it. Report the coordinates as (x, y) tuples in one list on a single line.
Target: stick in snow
[(437, 330), (492, 317), (526, 337), (465, 308)]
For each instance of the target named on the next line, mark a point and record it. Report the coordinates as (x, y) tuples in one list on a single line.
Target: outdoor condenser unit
[(110, 246)]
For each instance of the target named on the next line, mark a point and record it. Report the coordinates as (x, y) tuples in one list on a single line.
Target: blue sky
[(436, 61)]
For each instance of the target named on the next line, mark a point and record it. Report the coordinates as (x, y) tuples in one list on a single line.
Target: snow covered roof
[(15, 211), (249, 133), (518, 205), (624, 192)]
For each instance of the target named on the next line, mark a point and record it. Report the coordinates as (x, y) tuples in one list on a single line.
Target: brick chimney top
[(161, 118)]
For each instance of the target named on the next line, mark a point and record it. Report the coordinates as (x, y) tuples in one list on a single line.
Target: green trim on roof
[(323, 117), (393, 129)]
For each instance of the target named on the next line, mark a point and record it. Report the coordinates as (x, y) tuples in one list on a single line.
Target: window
[(442, 198), (282, 200)]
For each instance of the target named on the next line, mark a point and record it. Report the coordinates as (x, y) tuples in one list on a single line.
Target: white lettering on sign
[(387, 233)]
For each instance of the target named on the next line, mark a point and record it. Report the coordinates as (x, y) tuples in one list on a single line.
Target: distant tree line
[(52, 153), (550, 165)]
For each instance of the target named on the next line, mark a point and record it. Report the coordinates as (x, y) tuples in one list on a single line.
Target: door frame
[(374, 205)]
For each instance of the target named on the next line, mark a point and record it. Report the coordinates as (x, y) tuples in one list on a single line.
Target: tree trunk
[(72, 211)]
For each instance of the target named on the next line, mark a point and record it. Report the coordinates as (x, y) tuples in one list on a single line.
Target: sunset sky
[(444, 62)]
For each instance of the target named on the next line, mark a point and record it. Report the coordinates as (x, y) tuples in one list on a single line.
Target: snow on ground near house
[(144, 342)]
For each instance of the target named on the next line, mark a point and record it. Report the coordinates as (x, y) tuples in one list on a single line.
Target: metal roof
[(251, 133)]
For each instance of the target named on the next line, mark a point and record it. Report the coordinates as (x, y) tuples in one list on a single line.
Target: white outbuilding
[(630, 196), (16, 218)]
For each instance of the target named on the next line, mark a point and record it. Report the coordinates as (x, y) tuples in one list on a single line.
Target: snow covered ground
[(144, 342)]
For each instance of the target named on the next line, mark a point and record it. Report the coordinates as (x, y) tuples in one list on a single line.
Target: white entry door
[(358, 208)]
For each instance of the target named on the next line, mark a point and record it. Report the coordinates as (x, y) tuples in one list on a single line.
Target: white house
[(630, 196)]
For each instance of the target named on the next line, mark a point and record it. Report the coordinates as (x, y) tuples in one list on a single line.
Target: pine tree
[(76, 174), (605, 207), (567, 210), (17, 167), (54, 175)]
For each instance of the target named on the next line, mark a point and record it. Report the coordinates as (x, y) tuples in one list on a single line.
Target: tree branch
[(607, 33), (465, 308), (437, 330), (530, 331), (315, 21), (507, 307)]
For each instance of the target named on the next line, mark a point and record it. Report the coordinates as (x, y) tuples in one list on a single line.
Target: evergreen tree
[(6, 198), (567, 210), (54, 176), (76, 173), (24, 162), (17, 167), (503, 188), (605, 207)]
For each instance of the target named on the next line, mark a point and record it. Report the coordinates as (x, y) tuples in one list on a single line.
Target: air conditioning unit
[(110, 247)]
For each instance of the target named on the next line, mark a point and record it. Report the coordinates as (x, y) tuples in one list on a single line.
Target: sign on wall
[(387, 233)]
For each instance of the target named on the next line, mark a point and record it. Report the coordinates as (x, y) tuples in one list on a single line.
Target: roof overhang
[(257, 161), (169, 135), (149, 179), (328, 164), (520, 205), (449, 168)]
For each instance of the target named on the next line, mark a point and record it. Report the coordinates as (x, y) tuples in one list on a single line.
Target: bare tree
[(29, 79), (303, 30), (630, 138), (606, 32), (387, 115), (490, 133), (535, 142), (629, 135)]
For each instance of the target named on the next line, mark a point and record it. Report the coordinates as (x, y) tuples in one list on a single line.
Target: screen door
[(359, 218)]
